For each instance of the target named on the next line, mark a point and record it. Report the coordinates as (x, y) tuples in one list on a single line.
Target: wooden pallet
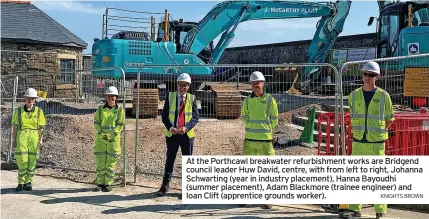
[(148, 99)]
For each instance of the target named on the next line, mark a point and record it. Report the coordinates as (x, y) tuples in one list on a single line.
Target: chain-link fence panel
[(220, 92)]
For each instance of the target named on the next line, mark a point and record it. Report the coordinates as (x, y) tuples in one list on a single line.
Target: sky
[(84, 18)]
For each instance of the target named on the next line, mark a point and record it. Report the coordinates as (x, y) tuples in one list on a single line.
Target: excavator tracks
[(225, 98), (148, 103)]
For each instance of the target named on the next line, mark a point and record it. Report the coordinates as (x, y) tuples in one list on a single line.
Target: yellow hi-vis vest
[(172, 100), (34, 120), (373, 120), (260, 116), (109, 122)]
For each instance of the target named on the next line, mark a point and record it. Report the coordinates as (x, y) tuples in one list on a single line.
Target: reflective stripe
[(361, 128), (383, 98), (274, 117), (247, 104), (26, 152), (188, 114), (109, 176), (118, 116), (100, 116), (100, 153), (267, 111), (388, 117), (259, 121), (113, 155), (37, 118), (353, 104), (19, 117), (108, 170), (112, 128), (170, 103), (258, 130)]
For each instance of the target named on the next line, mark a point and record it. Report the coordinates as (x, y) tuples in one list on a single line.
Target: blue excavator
[(190, 43), (403, 30)]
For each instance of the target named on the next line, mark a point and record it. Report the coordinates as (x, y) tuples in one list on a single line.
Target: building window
[(67, 70)]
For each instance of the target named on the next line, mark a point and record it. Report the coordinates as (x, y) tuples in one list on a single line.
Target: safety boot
[(350, 214), (107, 188), (165, 187), (28, 187), (267, 206), (99, 188), (19, 188), (379, 215)]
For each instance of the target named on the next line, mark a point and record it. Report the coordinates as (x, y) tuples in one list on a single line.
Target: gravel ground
[(69, 141)]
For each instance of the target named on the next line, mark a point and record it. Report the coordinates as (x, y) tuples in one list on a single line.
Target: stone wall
[(289, 52), (38, 66)]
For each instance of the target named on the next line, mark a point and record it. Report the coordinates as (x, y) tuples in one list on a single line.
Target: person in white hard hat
[(27, 134), (260, 117), (179, 115), (372, 114), (109, 120)]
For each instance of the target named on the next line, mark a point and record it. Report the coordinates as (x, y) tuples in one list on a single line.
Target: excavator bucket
[(292, 89)]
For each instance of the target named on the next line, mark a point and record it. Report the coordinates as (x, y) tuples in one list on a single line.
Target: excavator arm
[(226, 16)]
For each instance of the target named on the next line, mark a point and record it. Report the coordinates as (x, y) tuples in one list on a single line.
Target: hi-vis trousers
[(359, 148), (26, 154), (107, 154), (258, 148)]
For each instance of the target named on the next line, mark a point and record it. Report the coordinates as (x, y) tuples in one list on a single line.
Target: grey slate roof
[(26, 22)]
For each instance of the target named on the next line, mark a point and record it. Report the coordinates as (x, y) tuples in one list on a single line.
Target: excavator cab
[(403, 30), (177, 31)]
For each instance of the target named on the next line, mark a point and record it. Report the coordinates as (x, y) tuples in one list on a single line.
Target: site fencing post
[(137, 124), (394, 71), (11, 140)]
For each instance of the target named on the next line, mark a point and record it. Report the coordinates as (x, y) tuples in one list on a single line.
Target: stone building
[(41, 51)]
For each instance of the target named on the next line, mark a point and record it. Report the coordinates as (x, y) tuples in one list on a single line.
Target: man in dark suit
[(180, 115)]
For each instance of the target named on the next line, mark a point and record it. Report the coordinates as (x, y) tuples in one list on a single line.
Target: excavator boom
[(226, 16)]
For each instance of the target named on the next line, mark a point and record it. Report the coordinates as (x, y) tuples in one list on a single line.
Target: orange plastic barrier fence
[(408, 134)]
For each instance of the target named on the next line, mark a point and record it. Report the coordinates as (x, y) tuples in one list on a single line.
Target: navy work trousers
[(173, 143)]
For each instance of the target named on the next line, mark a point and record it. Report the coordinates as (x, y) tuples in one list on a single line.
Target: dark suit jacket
[(166, 110)]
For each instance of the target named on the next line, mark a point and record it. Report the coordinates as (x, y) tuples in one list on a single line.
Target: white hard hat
[(257, 76), (112, 91), (372, 67), (184, 77), (30, 92)]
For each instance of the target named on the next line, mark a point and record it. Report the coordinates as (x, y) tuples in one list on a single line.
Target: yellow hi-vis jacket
[(373, 120), (260, 116), (109, 122), (35, 119), (172, 100)]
